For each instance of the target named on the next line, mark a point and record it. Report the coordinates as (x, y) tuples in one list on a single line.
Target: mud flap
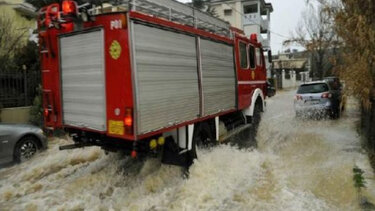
[(174, 155)]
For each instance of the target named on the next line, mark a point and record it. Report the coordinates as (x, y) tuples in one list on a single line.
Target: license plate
[(312, 102), (116, 127)]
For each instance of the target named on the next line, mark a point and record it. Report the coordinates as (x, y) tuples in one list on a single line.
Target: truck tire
[(203, 137), (256, 116), (25, 149)]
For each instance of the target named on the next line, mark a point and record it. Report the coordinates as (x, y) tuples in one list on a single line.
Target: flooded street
[(297, 165)]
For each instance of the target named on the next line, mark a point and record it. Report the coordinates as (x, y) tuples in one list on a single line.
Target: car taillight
[(326, 95), (298, 97), (69, 7), (128, 121)]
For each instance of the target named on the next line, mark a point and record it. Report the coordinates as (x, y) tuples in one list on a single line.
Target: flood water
[(297, 165)]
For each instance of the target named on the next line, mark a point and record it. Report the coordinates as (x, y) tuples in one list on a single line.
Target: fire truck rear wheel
[(203, 138)]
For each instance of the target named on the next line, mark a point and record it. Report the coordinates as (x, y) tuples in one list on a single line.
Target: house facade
[(252, 16), (291, 68), (23, 16)]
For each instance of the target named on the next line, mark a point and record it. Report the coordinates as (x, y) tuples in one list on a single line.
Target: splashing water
[(298, 165)]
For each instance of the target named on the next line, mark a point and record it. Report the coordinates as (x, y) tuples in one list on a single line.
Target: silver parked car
[(318, 98), (20, 142)]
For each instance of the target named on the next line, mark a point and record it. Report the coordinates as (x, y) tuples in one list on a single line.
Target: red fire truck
[(148, 75)]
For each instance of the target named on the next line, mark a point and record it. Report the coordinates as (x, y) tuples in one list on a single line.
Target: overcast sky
[(284, 19)]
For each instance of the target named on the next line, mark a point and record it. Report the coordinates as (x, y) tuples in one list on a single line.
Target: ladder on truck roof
[(181, 13)]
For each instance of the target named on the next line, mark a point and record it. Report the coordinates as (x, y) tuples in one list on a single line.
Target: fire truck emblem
[(115, 49), (253, 74)]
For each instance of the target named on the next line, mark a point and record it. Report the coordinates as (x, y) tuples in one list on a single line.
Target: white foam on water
[(298, 165)]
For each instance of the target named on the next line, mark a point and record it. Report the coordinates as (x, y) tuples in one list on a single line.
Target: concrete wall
[(236, 18), (15, 115), (293, 82), (289, 83), (251, 29)]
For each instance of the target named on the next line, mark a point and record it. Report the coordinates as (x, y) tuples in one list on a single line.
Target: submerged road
[(297, 165)]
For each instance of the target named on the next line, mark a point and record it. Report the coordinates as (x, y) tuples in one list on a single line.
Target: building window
[(259, 56), (252, 8), (228, 12), (243, 55), (252, 56)]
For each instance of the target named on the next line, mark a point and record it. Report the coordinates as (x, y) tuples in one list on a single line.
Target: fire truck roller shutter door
[(218, 77), (166, 77), (83, 80)]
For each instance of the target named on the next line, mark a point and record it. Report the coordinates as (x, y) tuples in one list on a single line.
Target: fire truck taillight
[(46, 112), (128, 121), (69, 7)]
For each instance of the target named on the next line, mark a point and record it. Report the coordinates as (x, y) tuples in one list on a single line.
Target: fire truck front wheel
[(257, 115)]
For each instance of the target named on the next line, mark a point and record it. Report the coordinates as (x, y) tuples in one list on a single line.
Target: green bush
[(36, 111)]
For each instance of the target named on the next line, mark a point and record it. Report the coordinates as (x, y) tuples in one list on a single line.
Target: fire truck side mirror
[(269, 56)]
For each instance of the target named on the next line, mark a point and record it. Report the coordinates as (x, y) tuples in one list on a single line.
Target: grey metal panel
[(182, 13), (83, 80), (166, 77), (218, 77)]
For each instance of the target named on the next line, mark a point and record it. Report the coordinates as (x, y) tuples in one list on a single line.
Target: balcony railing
[(255, 19), (266, 44)]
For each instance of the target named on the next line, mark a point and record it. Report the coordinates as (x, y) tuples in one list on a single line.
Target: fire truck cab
[(148, 76)]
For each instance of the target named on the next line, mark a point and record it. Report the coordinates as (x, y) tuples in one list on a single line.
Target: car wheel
[(339, 109), (25, 149), (335, 112), (338, 112)]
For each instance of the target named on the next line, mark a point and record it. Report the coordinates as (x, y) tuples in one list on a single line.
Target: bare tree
[(315, 32), (204, 5), (11, 39)]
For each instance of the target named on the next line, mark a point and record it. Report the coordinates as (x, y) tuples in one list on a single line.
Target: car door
[(5, 142)]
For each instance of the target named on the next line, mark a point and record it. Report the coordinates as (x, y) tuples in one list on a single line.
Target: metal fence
[(18, 88)]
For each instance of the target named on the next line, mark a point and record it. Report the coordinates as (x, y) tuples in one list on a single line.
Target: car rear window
[(312, 88)]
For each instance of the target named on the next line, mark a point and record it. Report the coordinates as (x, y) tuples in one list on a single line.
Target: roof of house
[(264, 4), (26, 9), (293, 60)]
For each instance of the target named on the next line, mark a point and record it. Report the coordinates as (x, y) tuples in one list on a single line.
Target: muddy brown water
[(297, 165)]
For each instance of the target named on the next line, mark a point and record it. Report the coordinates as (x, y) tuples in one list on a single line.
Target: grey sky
[(284, 20)]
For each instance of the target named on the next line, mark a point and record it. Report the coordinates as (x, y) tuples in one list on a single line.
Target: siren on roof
[(253, 37)]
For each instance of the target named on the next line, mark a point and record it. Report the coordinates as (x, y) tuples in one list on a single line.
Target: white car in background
[(319, 99)]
